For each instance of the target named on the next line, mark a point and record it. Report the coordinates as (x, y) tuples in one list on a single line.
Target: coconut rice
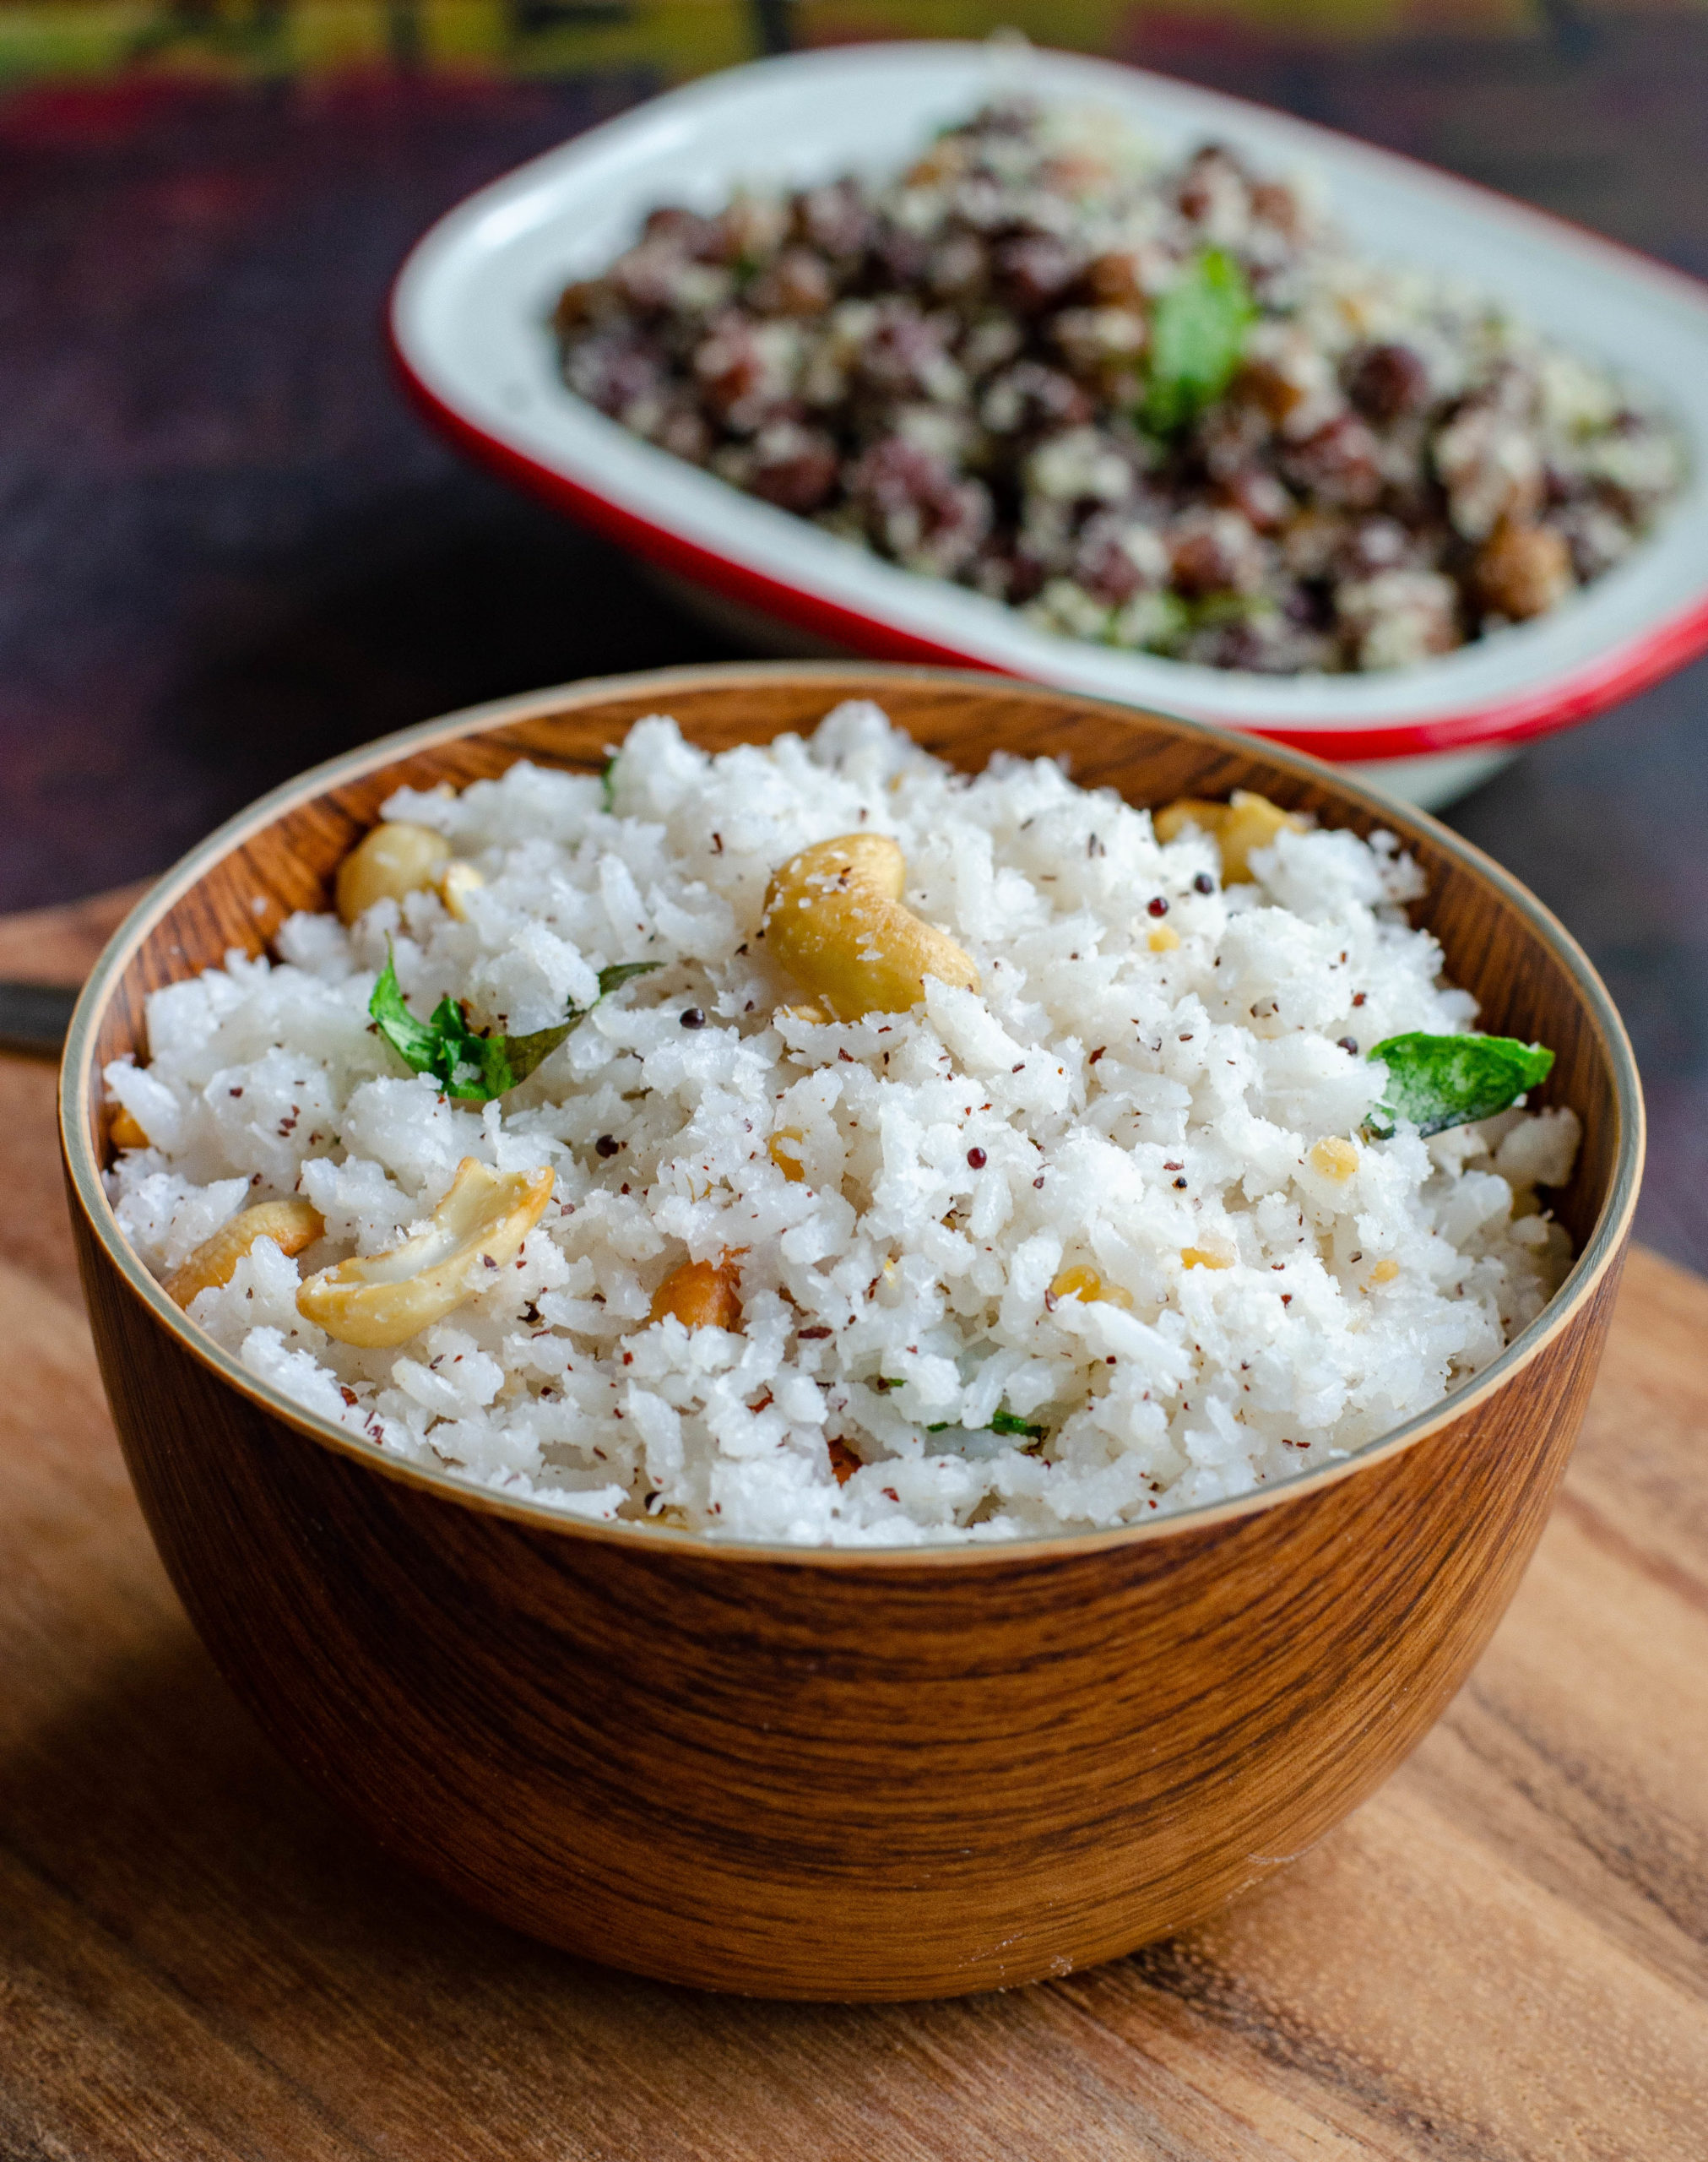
[(1097, 1241)]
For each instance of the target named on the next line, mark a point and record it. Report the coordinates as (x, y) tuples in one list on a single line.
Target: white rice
[(1129, 1105)]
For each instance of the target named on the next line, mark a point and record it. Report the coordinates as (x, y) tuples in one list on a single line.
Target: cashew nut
[(290, 1225), (1202, 1258), (1086, 1285), (783, 1150), (701, 1295), (125, 1129), (834, 919), (394, 858), (1244, 822), (376, 1301), (456, 883)]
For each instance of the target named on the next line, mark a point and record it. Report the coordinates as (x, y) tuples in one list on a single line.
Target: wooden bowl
[(803, 1773)]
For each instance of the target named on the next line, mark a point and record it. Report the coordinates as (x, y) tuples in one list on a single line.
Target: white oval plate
[(470, 325)]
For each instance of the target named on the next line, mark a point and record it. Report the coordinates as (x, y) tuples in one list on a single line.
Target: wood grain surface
[(1500, 1957), (860, 1776)]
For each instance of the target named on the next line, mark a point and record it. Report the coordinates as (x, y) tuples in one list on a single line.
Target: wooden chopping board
[(1505, 1955)]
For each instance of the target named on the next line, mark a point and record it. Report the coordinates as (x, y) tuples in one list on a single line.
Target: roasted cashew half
[(291, 1225), (1244, 822), (834, 920), (376, 1301), (701, 1294), (391, 860)]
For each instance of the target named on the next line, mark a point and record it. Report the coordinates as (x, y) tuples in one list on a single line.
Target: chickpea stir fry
[(1160, 408)]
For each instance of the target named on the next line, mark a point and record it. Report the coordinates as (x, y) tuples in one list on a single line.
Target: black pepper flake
[(607, 1145), (1038, 1181), (977, 1158), (692, 1017), (1349, 1043), (1181, 1183), (1159, 906)]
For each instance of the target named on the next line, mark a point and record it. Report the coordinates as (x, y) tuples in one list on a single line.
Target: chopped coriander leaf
[(473, 1068), (1441, 1081), (1198, 331), (607, 782), (1002, 1422)]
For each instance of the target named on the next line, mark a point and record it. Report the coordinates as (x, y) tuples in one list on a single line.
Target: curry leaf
[(608, 782), (1198, 331), (525, 1053), (471, 1067), (1441, 1081), (620, 972), (414, 1040)]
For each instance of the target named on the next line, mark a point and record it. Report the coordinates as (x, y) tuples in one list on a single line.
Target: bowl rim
[(77, 1079), (1556, 691)]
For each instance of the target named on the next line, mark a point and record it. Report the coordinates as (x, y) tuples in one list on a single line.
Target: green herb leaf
[(607, 782), (1441, 1081), (472, 1068), (619, 972), (1002, 1422), (1198, 331), (413, 1041), (1005, 1423)]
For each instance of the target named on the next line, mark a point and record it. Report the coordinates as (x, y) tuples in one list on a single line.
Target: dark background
[(227, 549)]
